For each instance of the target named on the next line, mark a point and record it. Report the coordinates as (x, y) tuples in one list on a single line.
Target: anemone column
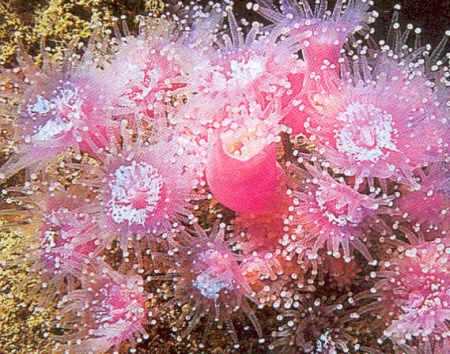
[(243, 180)]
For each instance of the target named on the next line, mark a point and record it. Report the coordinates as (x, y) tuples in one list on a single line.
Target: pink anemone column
[(242, 171)]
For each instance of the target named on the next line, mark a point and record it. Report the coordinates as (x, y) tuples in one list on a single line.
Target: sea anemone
[(108, 310), (330, 215), (143, 190), (242, 170), (320, 32), (427, 208), (247, 68), (258, 69), (66, 236), (321, 35), (361, 128), (204, 179), (152, 68), (63, 106), (412, 296), (208, 276), (68, 240)]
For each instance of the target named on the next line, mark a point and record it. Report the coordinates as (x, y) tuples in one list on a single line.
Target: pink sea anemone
[(64, 106), (209, 277), (258, 69), (150, 69), (112, 309), (331, 216), (427, 208), (242, 170), (68, 239), (314, 325), (321, 33), (143, 190), (65, 237), (248, 67), (413, 295), (363, 130)]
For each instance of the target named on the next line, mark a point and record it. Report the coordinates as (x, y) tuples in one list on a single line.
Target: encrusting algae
[(60, 21), (24, 324)]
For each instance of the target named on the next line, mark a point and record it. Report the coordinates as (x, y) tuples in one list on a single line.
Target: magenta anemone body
[(331, 215), (363, 130), (209, 275), (427, 208), (242, 180), (116, 312), (415, 292), (144, 191), (68, 239), (59, 113), (242, 169)]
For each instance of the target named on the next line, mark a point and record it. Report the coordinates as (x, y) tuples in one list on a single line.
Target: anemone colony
[(285, 184)]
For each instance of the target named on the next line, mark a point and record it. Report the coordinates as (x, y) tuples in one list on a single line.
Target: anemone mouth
[(211, 285), (249, 139), (336, 216), (333, 209), (366, 133), (215, 274), (135, 193), (338, 205), (52, 129), (126, 302), (55, 116), (246, 70), (49, 240), (243, 144)]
